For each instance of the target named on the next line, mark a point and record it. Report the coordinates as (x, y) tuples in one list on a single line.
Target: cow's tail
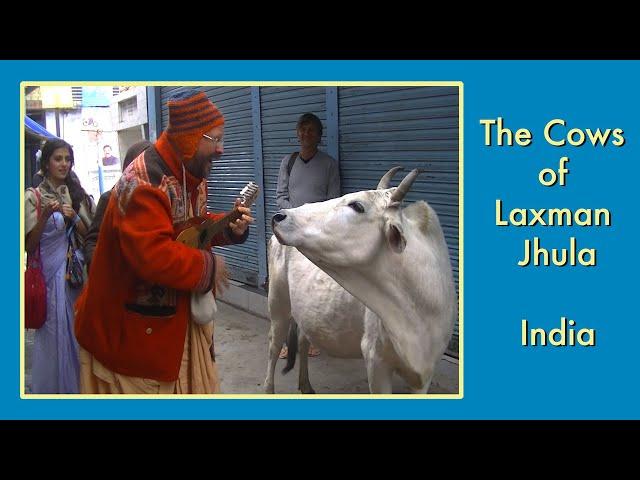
[(292, 346)]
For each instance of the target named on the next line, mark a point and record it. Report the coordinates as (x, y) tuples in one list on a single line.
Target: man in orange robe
[(133, 319)]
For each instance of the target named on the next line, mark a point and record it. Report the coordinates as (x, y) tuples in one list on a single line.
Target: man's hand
[(240, 226), (221, 279)]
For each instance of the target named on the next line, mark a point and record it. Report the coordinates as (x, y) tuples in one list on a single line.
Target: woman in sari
[(57, 214)]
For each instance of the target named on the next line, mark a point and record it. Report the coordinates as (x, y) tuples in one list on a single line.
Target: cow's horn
[(386, 178), (405, 185)]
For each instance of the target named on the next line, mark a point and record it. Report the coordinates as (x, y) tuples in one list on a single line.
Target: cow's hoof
[(307, 390)]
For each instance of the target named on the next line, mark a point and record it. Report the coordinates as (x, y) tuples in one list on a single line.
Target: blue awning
[(36, 129)]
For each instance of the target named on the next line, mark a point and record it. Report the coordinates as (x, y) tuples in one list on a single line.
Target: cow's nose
[(277, 218)]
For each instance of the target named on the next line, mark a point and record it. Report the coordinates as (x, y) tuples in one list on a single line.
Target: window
[(128, 109), (76, 95)]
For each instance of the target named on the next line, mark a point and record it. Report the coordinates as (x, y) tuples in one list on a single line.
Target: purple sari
[(56, 367)]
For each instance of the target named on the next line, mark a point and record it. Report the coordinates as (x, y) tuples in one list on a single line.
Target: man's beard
[(204, 165)]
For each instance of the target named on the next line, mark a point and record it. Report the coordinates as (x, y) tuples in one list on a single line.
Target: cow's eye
[(357, 206)]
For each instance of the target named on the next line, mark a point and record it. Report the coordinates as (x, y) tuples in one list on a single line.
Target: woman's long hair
[(73, 182)]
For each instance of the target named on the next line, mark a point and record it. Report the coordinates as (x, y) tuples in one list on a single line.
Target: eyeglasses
[(215, 140)]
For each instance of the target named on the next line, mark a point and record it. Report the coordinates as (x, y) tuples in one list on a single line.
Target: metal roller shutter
[(280, 108)]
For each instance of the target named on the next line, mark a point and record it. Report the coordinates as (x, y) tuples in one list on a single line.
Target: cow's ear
[(395, 236)]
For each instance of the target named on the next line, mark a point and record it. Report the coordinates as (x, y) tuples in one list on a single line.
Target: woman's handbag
[(35, 288), (75, 265)]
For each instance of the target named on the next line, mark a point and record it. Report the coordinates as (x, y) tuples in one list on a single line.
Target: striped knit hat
[(191, 114)]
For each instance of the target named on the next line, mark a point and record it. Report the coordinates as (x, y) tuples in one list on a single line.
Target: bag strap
[(72, 246), (292, 160), (36, 254), (70, 231), (38, 201)]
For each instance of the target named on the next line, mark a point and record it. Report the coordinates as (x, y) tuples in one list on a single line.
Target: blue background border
[(502, 380)]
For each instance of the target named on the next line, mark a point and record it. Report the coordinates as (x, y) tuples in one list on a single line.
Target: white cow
[(394, 260), (327, 315)]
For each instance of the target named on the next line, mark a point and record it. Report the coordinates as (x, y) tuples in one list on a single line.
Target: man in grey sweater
[(307, 176), (314, 176)]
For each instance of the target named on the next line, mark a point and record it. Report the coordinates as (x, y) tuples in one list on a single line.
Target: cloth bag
[(203, 307), (35, 287)]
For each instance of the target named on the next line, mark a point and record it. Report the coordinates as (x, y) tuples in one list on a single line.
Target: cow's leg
[(303, 377), (421, 391), (379, 372), (277, 336), (280, 313), (425, 386), (279, 302)]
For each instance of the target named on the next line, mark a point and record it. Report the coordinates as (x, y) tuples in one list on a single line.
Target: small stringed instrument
[(197, 232)]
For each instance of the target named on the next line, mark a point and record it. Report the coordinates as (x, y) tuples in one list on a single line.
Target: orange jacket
[(132, 314)]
